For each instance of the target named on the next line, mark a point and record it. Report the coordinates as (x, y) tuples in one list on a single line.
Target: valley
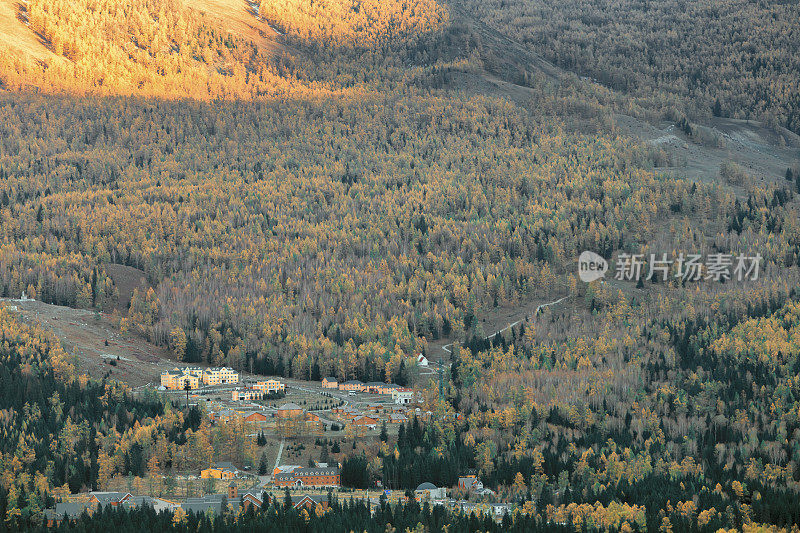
[(302, 265)]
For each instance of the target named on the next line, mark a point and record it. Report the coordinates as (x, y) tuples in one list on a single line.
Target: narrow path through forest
[(539, 307), (280, 453)]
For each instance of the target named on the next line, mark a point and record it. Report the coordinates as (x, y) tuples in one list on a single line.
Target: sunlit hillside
[(369, 23), (199, 48), (144, 47), (15, 36)]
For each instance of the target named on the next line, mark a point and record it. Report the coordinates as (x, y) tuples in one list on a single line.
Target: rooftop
[(108, 497), (318, 498), (310, 471), (226, 466), (70, 509)]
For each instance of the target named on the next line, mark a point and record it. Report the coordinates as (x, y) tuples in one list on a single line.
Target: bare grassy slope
[(239, 17), (15, 33)]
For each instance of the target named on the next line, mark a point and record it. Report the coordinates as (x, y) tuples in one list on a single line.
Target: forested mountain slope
[(292, 213), (62, 432), (380, 177), (204, 49), (733, 58)]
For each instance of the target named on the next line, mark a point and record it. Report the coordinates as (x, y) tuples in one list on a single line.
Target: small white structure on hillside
[(422, 360), (24, 298)]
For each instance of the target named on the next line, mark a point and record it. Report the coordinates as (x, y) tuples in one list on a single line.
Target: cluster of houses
[(92, 501), (258, 391), (468, 482), (233, 501), (253, 497), (229, 415), (369, 416), (287, 411), (372, 414), (193, 377), (400, 395), (471, 484), (320, 476)]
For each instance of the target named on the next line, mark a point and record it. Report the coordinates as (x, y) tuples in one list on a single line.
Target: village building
[(178, 378), (351, 414), (187, 381), (428, 491), (330, 383), (233, 500), (243, 395), (193, 370), (213, 503), (284, 469), (365, 421), (219, 376), (169, 378), (68, 511), (95, 500), (158, 504), (308, 477), (254, 416), (270, 386), (375, 407), (226, 415), (311, 502), (253, 498), (387, 388), (470, 482), (223, 470), (352, 385), (289, 410), (397, 418), (402, 395), (109, 498), (500, 509), (373, 387)]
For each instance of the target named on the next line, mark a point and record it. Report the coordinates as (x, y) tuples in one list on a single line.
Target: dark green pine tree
[(287, 499)]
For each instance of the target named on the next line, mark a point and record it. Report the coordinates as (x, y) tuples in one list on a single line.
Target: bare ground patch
[(97, 344), (126, 279), (763, 153)]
